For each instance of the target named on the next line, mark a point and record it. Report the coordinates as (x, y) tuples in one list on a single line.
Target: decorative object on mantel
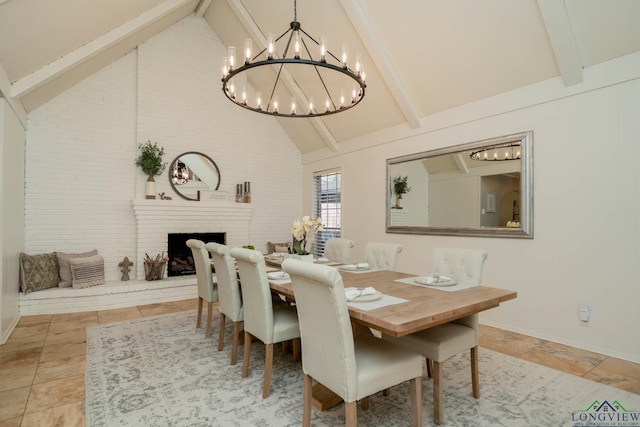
[(154, 267), (163, 197), (239, 193), (400, 187), (247, 192), (125, 268), (303, 232), (150, 161)]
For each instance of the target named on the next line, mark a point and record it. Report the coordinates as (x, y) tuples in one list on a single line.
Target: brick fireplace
[(180, 256), (156, 219)]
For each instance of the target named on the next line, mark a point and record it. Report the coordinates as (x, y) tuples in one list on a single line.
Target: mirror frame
[(173, 186), (526, 191)]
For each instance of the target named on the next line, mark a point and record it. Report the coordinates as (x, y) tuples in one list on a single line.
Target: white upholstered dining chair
[(230, 306), (353, 368), (444, 341), (261, 320), (382, 255), (338, 249), (207, 289)]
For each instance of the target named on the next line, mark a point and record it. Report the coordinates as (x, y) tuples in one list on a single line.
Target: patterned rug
[(161, 371)]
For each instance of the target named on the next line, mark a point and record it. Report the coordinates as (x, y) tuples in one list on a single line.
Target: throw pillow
[(271, 247), (65, 269), (38, 272), (87, 272)]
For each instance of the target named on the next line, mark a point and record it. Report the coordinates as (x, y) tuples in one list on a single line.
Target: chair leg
[(429, 367), (306, 411), (199, 320), (386, 392), (351, 414), (415, 392), (221, 334), (364, 403), (268, 366), (296, 349), (247, 351), (235, 342), (209, 314), (438, 406), (475, 381)]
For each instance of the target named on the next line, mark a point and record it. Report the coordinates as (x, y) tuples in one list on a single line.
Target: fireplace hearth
[(180, 257)]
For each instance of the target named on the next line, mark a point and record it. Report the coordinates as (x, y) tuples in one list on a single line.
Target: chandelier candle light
[(311, 75), (509, 151)]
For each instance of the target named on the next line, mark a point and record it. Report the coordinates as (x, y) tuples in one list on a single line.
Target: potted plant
[(400, 187), (304, 232), (150, 161)]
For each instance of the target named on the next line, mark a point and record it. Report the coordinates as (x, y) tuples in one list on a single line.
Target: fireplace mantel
[(157, 218), (160, 208)]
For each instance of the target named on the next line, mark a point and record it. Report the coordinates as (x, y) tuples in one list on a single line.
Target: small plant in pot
[(150, 161), (400, 187)]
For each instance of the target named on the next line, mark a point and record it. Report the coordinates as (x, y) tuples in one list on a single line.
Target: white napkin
[(353, 293), (277, 255), (278, 275), (357, 266), (431, 280)]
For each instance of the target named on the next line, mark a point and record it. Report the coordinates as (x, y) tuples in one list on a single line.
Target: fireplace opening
[(180, 257)]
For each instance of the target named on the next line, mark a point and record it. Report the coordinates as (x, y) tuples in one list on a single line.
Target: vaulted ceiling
[(421, 56)]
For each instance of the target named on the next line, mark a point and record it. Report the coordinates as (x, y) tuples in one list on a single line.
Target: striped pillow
[(87, 272)]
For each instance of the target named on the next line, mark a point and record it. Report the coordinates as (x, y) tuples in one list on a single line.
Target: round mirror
[(192, 172)]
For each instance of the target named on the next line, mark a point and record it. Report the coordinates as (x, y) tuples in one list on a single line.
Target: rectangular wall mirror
[(482, 188)]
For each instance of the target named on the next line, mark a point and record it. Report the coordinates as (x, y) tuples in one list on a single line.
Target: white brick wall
[(80, 173)]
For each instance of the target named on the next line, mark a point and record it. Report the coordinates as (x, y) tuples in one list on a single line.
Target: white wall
[(586, 244), (81, 146), (12, 137)]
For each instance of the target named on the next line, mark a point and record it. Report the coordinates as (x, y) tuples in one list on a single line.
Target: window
[(327, 186)]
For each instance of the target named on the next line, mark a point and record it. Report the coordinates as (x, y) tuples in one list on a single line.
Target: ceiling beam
[(261, 42), (56, 68), (382, 61), (462, 166), (563, 42), (15, 104), (202, 7)]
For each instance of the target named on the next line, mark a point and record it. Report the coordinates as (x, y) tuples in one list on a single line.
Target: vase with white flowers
[(303, 232)]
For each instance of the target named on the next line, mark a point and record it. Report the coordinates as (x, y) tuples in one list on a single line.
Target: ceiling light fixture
[(310, 75), (179, 173), (501, 152)]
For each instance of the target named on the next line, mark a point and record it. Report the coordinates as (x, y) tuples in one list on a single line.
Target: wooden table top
[(425, 308)]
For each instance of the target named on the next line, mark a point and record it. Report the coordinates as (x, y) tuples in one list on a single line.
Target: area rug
[(161, 371)]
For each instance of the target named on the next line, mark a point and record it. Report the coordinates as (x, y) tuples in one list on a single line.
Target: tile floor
[(42, 363)]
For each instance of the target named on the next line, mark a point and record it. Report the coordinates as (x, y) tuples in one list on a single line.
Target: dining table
[(406, 305)]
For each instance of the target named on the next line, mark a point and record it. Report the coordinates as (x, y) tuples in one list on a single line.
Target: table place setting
[(361, 267), (368, 298), (279, 277), (435, 281)]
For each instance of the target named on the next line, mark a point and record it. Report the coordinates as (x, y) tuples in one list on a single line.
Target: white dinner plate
[(278, 275), (366, 298), (345, 268), (422, 281)]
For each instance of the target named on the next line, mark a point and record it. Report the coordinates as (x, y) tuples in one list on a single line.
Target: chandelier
[(179, 173), (305, 63), (500, 152)]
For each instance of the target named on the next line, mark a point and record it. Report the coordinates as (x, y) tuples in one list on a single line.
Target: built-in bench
[(111, 295)]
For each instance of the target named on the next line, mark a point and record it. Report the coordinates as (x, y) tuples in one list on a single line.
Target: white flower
[(300, 229)]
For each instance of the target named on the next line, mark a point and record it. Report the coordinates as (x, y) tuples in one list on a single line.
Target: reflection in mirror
[(192, 172), (481, 188)]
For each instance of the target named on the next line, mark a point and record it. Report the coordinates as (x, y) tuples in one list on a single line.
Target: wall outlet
[(584, 313)]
